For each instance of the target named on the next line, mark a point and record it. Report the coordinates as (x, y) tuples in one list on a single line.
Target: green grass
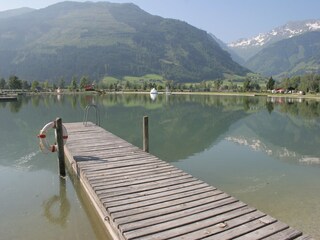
[(160, 81), (153, 78), (147, 77)]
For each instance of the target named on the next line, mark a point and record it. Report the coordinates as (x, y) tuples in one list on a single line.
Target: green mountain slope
[(235, 57), (15, 12), (294, 56), (99, 39)]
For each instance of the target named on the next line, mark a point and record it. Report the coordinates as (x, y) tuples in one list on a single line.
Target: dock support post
[(145, 134), (59, 139)]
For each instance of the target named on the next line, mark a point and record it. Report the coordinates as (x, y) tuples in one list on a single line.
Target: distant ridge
[(15, 12), (294, 56), (235, 57), (247, 48), (107, 39)]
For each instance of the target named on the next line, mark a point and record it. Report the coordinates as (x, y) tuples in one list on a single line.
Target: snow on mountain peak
[(314, 26), (274, 33), (289, 30)]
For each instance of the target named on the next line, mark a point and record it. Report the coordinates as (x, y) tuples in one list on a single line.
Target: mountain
[(272, 137), (15, 12), (294, 56), (235, 57), (107, 39), (247, 48)]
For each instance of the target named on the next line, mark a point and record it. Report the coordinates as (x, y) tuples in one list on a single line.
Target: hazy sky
[(229, 20)]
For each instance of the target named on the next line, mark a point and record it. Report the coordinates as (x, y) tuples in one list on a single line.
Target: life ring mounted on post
[(45, 146)]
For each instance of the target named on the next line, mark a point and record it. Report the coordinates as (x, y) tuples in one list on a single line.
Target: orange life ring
[(45, 146)]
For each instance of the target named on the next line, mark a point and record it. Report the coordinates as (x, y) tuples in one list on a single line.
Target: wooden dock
[(8, 98), (139, 196)]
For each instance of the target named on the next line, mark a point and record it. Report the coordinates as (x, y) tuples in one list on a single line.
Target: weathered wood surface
[(145, 128), (139, 196), (59, 139)]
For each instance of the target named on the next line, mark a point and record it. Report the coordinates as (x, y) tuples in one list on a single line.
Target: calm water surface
[(263, 151)]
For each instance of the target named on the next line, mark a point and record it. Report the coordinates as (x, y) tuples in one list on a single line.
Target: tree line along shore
[(307, 84)]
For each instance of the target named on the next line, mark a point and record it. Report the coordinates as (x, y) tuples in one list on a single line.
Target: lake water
[(265, 152)]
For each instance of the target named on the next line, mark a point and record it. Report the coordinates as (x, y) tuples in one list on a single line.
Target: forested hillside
[(105, 39), (295, 56)]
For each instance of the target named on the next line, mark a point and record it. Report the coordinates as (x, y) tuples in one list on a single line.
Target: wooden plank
[(147, 197), (140, 196), (101, 183), (265, 231), (126, 170), (144, 187), (105, 163), (243, 229), (286, 234), (115, 168), (160, 227), (134, 176), (8, 99), (109, 152), (94, 138), (158, 200), (115, 156), (174, 203), (105, 148), (151, 192), (117, 165), (210, 226), (305, 237), (97, 146), (87, 161), (171, 209), (214, 225), (94, 142), (179, 214), (114, 152), (131, 173), (122, 164), (135, 181)]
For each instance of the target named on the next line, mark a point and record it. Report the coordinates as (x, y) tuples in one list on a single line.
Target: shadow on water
[(97, 225), (57, 207)]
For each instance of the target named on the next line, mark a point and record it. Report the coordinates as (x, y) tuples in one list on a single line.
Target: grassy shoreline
[(245, 94)]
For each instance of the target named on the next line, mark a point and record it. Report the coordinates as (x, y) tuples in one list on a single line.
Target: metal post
[(145, 134), (59, 139)]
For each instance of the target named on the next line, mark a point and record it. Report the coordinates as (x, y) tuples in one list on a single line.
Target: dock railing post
[(59, 139), (145, 134)]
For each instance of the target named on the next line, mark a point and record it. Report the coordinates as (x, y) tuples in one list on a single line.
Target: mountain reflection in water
[(180, 126)]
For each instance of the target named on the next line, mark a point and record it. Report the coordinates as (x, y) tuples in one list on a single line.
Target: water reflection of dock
[(139, 196)]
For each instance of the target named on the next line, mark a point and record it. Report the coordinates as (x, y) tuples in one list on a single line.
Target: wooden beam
[(59, 139), (145, 134)]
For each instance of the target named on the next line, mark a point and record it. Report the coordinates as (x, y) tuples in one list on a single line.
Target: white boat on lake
[(153, 91)]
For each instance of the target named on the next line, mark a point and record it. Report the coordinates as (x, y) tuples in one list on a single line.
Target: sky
[(229, 20)]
